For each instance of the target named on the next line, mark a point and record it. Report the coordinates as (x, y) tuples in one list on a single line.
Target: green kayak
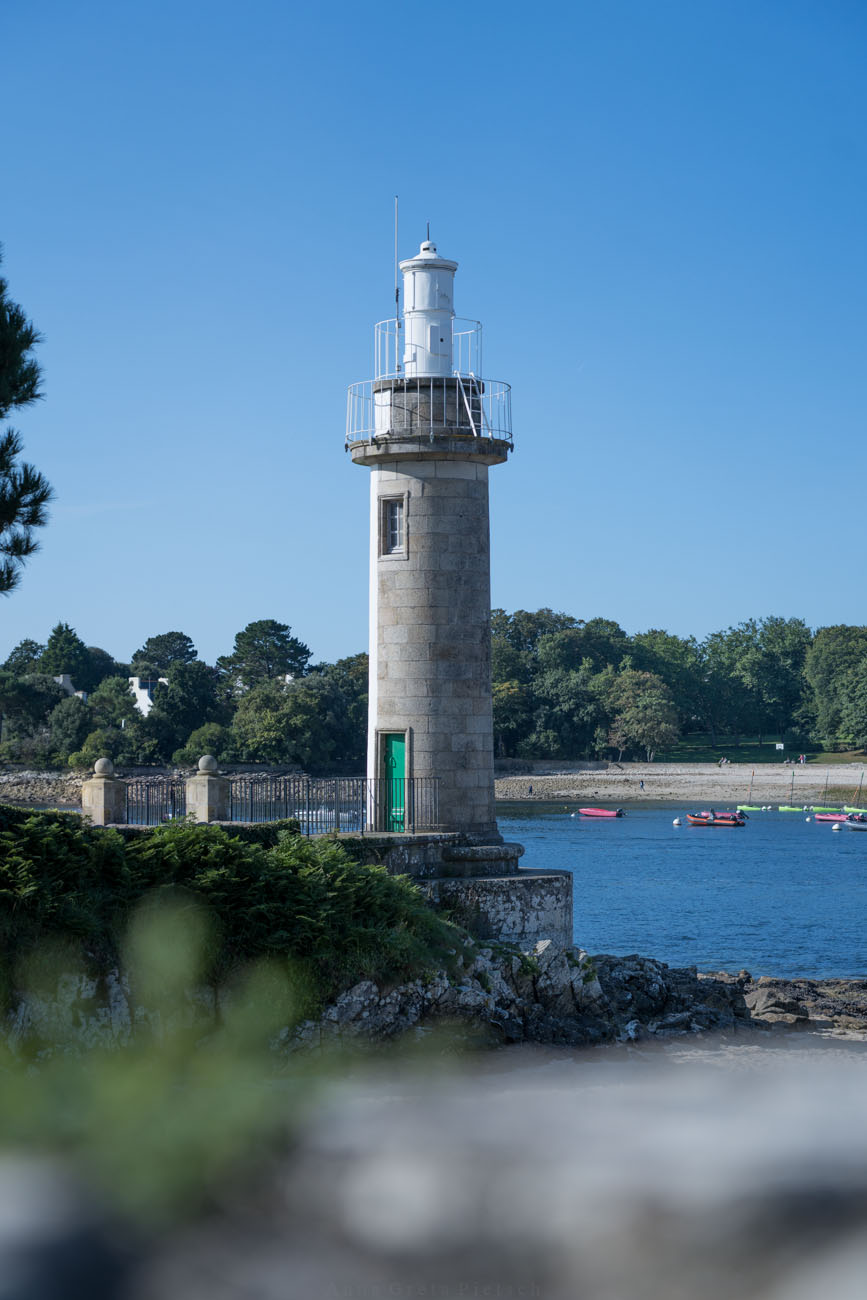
[(847, 808), (785, 807), (749, 807)]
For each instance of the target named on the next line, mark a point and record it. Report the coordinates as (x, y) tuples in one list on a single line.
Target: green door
[(394, 782)]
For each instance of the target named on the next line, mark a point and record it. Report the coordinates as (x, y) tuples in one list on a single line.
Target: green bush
[(304, 902), (212, 738)]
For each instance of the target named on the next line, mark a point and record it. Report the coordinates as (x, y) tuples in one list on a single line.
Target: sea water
[(779, 896)]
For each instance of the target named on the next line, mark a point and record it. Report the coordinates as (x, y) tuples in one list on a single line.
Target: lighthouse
[(429, 427)]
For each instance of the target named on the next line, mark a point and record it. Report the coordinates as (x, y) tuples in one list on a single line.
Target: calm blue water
[(778, 897)]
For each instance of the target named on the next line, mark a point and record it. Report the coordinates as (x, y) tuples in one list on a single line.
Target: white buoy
[(676, 822), (836, 826), (804, 809), (571, 814), (807, 819)]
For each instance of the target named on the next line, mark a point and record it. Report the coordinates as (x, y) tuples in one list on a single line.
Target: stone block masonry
[(430, 673)]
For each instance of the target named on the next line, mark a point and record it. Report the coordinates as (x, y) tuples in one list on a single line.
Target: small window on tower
[(392, 526)]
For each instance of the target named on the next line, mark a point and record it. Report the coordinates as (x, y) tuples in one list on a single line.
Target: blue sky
[(658, 211)]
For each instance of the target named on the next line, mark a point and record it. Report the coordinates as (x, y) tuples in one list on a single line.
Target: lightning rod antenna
[(396, 294)]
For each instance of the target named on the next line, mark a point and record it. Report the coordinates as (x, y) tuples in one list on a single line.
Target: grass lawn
[(697, 748)]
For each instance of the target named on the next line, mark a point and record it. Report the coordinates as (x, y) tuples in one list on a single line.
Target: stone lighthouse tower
[(429, 428)]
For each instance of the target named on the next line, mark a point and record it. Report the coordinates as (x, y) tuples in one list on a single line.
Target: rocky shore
[(498, 993), (61, 789), (570, 998)]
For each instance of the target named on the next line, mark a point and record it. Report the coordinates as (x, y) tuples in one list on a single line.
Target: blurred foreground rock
[(596, 1176)]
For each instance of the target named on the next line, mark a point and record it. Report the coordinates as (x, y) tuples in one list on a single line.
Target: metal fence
[(324, 805), (150, 803)]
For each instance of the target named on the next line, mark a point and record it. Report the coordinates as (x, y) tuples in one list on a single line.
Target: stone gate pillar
[(208, 792), (103, 797)]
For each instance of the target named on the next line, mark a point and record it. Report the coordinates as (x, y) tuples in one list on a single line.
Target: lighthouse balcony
[(429, 407)]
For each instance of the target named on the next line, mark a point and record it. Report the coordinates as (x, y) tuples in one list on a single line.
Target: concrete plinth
[(521, 909), (480, 884), (103, 797), (208, 793)]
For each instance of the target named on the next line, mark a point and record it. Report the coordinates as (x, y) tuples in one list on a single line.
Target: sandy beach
[(730, 784)]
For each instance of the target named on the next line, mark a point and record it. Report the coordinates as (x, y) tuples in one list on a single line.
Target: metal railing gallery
[(429, 406), (324, 805), (151, 803)]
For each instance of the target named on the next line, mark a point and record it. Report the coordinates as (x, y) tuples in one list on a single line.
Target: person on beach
[(641, 785)]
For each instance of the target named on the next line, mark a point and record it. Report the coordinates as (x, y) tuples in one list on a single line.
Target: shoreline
[(618, 783), (669, 782)]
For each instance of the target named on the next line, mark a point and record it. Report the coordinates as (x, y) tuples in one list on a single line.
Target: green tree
[(100, 665), (728, 698), (24, 657), (264, 651), (212, 738), (644, 713), (513, 716), (678, 662), (835, 652), (68, 724), (350, 679), (112, 704), (160, 652), (297, 722), (65, 652), (24, 493), (25, 703), (852, 696), (509, 664), (192, 697), (603, 642), (24, 498), (523, 629), (105, 742), (780, 681), (566, 713)]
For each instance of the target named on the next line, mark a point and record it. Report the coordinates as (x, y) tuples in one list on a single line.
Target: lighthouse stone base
[(481, 885)]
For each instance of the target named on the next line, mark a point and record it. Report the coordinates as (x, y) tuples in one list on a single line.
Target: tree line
[(569, 688), (263, 702), (563, 687)]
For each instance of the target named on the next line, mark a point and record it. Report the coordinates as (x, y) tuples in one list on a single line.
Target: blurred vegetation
[(153, 1126), (327, 920), (147, 981)]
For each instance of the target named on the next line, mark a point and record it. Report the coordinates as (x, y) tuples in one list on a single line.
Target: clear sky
[(659, 214)]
